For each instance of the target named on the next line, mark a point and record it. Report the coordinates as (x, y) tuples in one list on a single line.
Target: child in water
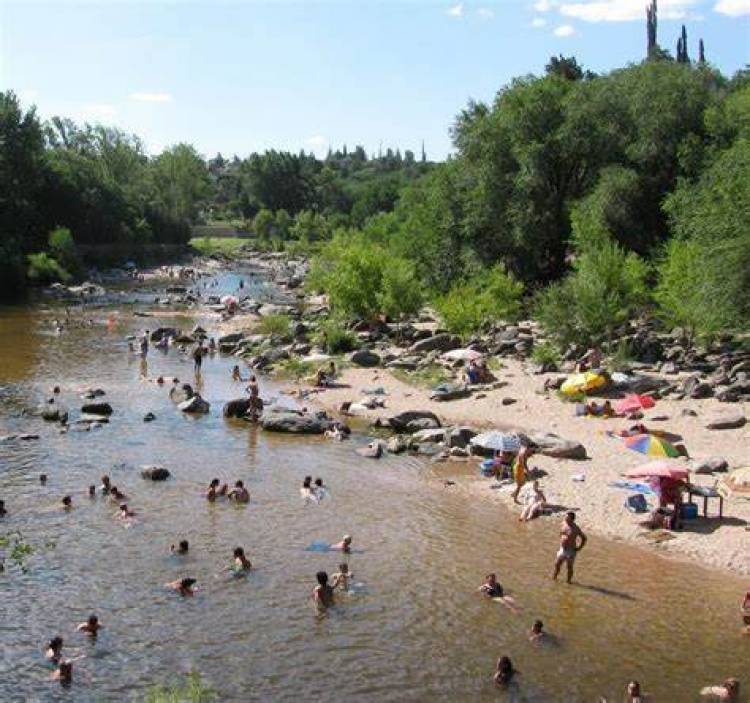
[(90, 627), (341, 578), (185, 587), (241, 563)]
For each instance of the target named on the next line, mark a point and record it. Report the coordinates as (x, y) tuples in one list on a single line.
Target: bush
[(427, 377), (63, 249), (275, 325), (296, 369), (546, 354), (334, 338), (492, 295), (44, 269), (604, 290)]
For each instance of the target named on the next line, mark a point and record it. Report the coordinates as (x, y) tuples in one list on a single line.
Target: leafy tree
[(264, 224), (400, 291)]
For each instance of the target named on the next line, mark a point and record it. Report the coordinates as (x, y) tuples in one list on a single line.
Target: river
[(417, 631)]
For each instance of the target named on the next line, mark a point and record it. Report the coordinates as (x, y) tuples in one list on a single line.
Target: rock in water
[(293, 423), (374, 450), (154, 473), (149, 417), (97, 409), (53, 413), (195, 405), (181, 394)]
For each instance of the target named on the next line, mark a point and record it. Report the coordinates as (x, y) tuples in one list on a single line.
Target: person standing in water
[(198, 358), (572, 541), (241, 563), (91, 626), (341, 577), (322, 594)]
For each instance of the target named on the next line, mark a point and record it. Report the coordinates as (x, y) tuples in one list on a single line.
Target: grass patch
[(427, 377), (546, 354), (192, 690), (228, 246), (296, 369), (275, 325)]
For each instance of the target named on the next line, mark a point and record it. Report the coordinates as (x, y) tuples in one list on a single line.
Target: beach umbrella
[(462, 355), (659, 469), (651, 446), (582, 383), (498, 441), (633, 403), (736, 484)]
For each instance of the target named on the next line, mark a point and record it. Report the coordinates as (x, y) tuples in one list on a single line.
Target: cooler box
[(689, 511)]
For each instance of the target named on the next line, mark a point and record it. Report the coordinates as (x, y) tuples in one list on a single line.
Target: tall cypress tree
[(701, 53), (651, 48)]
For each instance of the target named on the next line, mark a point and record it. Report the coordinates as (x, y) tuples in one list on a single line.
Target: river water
[(417, 630)]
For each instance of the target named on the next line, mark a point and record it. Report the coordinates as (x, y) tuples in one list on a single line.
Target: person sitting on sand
[(53, 651), (240, 563), (322, 594), (604, 410), (591, 360), (91, 626), (67, 503), (537, 633), (341, 578), (124, 513), (63, 673), (728, 692), (520, 471), (502, 465), (239, 493), (505, 672), (182, 547), (633, 431), (472, 373), (185, 587), (535, 504), (745, 610), (345, 545)]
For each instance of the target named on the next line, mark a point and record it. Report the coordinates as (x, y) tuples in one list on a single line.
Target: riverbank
[(723, 544)]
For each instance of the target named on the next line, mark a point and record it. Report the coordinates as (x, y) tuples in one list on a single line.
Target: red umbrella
[(633, 402), (659, 469)]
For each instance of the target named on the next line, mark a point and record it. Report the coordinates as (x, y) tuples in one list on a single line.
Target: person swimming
[(239, 493), (182, 547), (116, 495), (492, 589), (320, 491), (67, 503), (185, 586), (537, 633), (3, 511), (53, 651), (92, 491), (43, 479), (214, 491), (124, 513), (505, 671), (322, 594), (63, 673), (91, 626), (341, 578), (240, 563), (345, 545), (307, 492)]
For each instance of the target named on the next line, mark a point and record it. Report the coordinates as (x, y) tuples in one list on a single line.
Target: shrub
[(296, 369), (491, 295), (275, 325), (334, 338), (44, 269), (546, 354)]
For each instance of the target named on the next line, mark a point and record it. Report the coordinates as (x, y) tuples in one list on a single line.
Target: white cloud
[(627, 10), (733, 8), (97, 112), (151, 97), (538, 22), (545, 5), (316, 141), (457, 10), (565, 30), (485, 13)]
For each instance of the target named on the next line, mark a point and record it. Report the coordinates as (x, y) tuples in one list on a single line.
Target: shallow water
[(417, 632)]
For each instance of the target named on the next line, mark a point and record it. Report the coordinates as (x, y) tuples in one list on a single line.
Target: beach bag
[(636, 503)]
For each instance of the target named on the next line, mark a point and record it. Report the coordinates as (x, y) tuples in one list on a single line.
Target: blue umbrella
[(498, 441)]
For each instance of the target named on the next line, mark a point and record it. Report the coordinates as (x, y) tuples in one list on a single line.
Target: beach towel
[(636, 503), (633, 486)]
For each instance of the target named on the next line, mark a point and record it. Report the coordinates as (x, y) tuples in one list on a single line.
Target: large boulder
[(293, 423), (439, 342), (365, 357), (374, 450), (739, 390), (242, 406), (154, 473), (551, 444), (645, 384), (397, 444), (710, 465), (436, 435), (459, 437), (96, 409), (195, 405), (694, 387), (232, 338), (53, 413), (449, 391), (413, 421), (727, 420), (158, 334)]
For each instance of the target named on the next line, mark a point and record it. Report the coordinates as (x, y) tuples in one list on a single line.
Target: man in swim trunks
[(322, 594), (491, 587), (570, 534)]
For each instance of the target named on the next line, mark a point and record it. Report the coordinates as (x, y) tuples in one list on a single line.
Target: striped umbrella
[(651, 446), (498, 441)]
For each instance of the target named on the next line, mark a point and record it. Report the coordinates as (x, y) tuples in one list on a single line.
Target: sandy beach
[(720, 543)]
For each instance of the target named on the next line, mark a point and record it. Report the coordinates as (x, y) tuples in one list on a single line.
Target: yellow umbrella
[(582, 383), (736, 484)]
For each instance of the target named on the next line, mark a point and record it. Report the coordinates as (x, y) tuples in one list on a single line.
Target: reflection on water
[(418, 632)]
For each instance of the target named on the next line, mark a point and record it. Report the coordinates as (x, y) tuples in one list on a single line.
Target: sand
[(724, 544)]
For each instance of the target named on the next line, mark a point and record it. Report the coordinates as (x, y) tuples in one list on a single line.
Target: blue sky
[(239, 76)]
